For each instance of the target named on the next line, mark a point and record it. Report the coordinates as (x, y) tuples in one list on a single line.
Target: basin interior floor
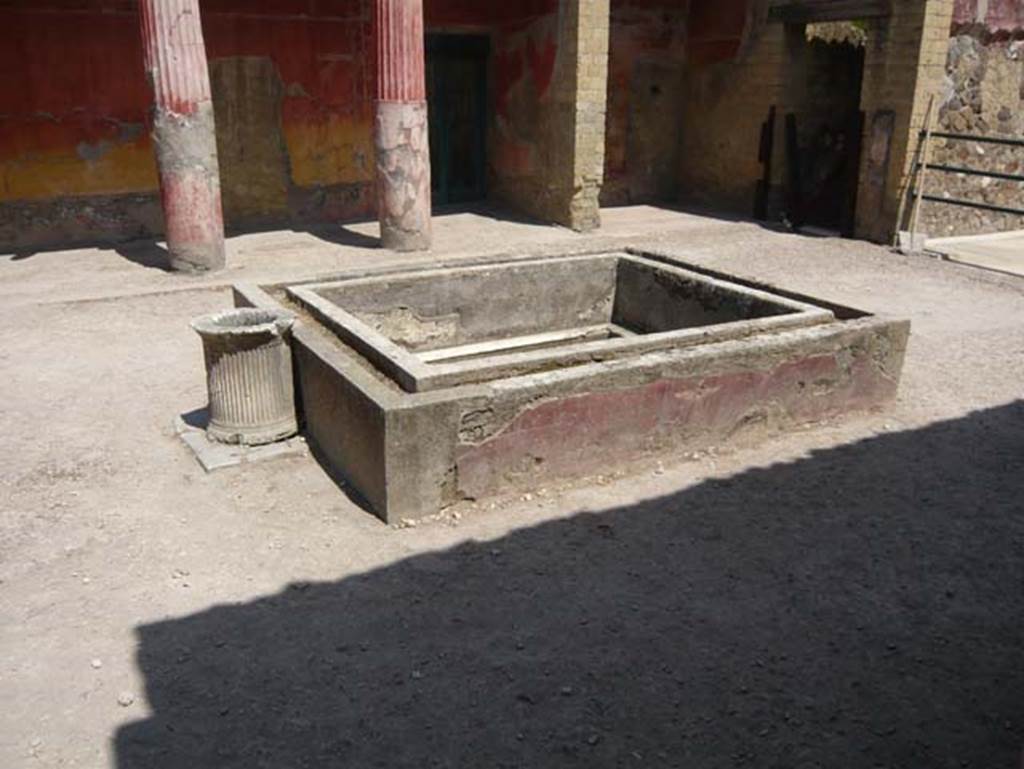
[(846, 595)]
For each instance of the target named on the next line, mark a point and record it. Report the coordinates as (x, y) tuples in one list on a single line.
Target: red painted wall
[(72, 92), (524, 49), (75, 99), (1000, 17), (653, 43), (505, 17), (716, 29), (75, 102)]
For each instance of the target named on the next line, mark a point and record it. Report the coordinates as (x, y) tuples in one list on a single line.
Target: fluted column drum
[(249, 375)]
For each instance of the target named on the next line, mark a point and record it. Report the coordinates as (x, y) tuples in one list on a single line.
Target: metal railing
[(923, 166)]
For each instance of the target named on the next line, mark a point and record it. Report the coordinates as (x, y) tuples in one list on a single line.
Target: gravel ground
[(847, 595)]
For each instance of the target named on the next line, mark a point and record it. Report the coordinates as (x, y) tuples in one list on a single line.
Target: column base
[(186, 151), (403, 175)]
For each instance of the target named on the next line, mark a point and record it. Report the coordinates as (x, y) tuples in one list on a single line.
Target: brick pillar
[(183, 133), (400, 131), (572, 117), (591, 20), (904, 64)]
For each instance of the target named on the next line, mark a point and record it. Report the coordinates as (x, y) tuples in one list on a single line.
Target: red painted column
[(400, 131), (183, 133)]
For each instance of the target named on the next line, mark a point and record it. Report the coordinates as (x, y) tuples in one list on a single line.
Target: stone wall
[(983, 94), (727, 96)]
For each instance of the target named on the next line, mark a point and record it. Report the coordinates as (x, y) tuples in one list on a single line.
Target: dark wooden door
[(457, 103)]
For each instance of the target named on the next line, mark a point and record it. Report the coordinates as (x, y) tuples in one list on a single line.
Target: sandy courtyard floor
[(848, 595)]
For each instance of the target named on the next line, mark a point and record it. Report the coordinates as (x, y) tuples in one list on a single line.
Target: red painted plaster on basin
[(583, 434)]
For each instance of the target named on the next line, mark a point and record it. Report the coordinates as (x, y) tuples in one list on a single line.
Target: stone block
[(213, 455)]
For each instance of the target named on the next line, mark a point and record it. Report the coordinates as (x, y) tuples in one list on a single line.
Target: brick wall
[(569, 124), (904, 64)]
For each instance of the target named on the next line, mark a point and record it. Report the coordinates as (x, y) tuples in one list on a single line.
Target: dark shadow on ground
[(708, 212), (860, 607), (146, 253), (198, 418), (491, 210), (344, 235), (773, 225)]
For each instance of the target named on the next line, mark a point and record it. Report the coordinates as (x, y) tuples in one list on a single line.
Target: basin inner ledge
[(438, 328), (423, 386)]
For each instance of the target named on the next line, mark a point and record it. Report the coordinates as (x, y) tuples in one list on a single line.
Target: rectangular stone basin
[(425, 385)]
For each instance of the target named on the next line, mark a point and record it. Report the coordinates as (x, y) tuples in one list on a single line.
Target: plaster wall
[(526, 73), (547, 86)]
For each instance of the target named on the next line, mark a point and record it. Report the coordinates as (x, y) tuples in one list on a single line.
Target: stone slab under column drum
[(213, 456), (403, 175)]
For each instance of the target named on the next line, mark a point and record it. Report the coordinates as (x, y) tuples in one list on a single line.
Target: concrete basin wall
[(651, 298), (430, 308)]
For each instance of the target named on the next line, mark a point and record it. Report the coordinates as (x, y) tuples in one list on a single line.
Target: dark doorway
[(823, 140), (457, 102)]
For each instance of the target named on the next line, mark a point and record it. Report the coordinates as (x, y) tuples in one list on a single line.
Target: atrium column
[(400, 132), (183, 133)]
